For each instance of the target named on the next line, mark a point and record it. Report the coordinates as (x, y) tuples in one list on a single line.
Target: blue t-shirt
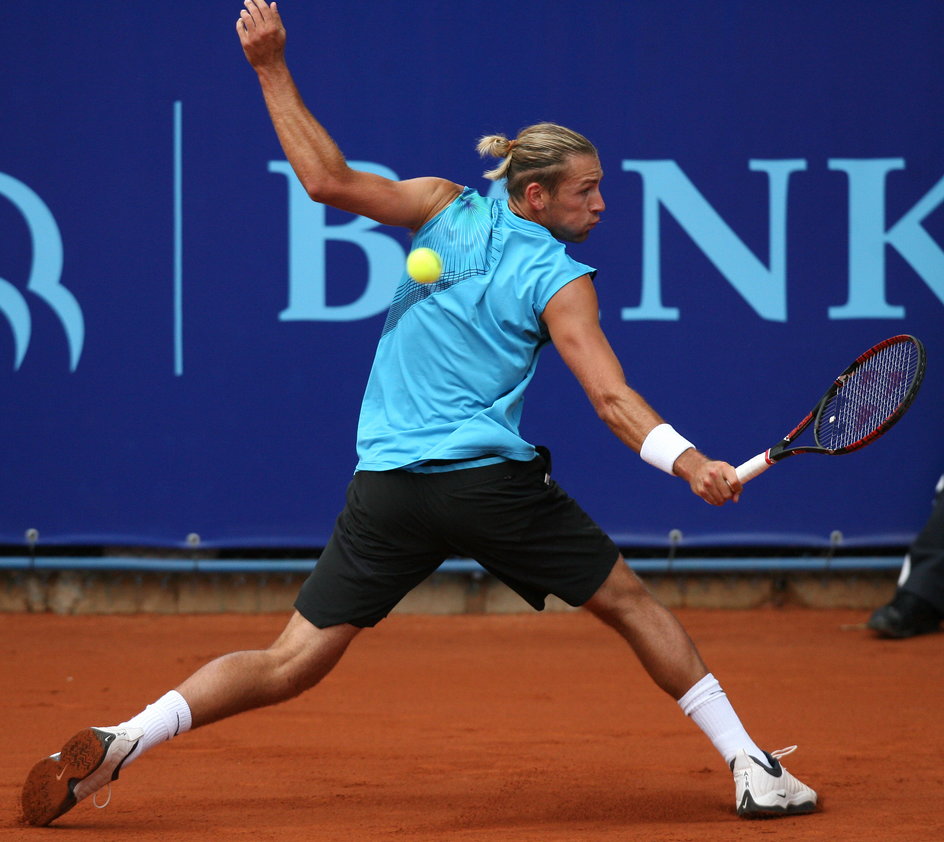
[(455, 356)]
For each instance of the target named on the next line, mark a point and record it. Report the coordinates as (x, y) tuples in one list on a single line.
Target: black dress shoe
[(906, 615)]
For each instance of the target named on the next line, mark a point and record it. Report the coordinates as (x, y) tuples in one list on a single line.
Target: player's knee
[(619, 594), (288, 676), (298, 662), (294, 678)]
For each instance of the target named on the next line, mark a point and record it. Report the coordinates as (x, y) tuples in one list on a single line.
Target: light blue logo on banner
[(764, 288), (868, 237), (44, 276)]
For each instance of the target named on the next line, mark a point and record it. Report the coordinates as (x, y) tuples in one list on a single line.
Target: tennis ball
[(423, 265)]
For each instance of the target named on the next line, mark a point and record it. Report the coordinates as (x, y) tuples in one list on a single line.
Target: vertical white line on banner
[(178, 240)]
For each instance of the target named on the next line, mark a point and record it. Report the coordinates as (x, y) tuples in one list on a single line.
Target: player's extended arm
[(572, 317), (313, 154)]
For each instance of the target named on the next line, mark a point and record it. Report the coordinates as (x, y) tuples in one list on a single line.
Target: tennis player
[(442, 468)]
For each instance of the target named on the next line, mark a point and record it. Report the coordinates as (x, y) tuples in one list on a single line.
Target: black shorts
[(399, 526)]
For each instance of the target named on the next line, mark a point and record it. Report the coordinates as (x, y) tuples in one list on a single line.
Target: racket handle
[(752, 467)]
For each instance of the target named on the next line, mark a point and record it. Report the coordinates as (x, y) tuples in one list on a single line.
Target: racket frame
[(783, 448)]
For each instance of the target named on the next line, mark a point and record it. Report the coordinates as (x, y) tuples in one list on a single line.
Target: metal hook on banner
[(675, 538), (835, 541), (193, 541), (32, 539)]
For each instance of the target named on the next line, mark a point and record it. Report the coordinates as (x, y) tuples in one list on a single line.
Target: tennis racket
[(863, 403)]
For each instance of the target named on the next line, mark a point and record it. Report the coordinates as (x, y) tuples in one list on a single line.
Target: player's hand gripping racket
[(863, 403)]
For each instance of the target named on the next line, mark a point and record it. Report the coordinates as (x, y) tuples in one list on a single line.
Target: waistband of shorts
[(439, 466)]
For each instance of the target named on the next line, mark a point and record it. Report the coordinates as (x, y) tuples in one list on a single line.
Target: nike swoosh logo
[(177, 729), (60, 773)]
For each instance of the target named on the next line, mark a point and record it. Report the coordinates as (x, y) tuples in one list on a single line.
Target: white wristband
[(663, 446)]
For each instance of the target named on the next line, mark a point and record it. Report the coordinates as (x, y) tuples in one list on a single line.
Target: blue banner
[(185, 336)]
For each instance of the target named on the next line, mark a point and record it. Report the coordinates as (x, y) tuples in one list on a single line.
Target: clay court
[(490, 727)]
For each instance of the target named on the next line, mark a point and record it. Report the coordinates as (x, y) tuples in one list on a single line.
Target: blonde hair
[(539, 153)]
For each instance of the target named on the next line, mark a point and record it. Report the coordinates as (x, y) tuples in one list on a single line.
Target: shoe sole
[(49, 788), (894, 632), (750, 809)]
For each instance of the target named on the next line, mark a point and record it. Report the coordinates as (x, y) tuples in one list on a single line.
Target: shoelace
[(108, 800), (783, 752)]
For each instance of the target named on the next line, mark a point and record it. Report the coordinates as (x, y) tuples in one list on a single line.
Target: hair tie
[(511, 145)]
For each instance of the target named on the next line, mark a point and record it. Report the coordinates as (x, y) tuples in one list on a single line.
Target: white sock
[(161, 721), (708, 706)]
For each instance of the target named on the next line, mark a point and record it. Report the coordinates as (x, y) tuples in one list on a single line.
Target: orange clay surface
[(511, 727)]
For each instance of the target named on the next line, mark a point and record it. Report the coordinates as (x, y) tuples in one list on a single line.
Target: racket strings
[(869, 397)]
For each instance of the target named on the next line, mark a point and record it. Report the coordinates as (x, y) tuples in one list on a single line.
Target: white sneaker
[(90, 760), (765, 788)]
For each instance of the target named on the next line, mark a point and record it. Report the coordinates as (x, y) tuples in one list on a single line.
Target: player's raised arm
[(573, 321), (313, 154)]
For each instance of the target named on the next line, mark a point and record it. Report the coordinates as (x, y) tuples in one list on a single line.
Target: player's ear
[(535, 195)]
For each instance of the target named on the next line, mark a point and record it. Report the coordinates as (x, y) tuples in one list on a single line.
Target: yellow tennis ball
[(423, 265)]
